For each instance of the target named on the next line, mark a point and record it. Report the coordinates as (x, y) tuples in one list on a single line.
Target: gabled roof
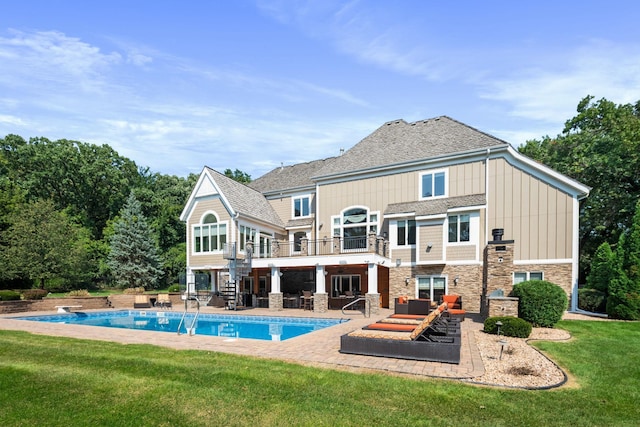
[(398, 142), (289, 178), (435, 206), (238, 198)]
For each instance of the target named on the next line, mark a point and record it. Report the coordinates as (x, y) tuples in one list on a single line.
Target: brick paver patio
[(318, 348)]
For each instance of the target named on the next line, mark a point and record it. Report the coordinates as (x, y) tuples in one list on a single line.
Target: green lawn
[(56, 381)]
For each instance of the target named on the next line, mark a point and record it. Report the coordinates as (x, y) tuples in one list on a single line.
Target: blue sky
[(252, 84)]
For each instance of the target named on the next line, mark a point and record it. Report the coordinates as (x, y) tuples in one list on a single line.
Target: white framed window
[(301, 206), (265, 245), (210, 235), (523, 276), (431, 287), (459, 228), (247, 235), (406, 232), (345, 284), (433, 184), (297, 240), (353, 225)]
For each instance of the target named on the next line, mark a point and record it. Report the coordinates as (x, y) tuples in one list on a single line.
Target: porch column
[(190, 279), (275, 296), (320, 297), (372, 296)]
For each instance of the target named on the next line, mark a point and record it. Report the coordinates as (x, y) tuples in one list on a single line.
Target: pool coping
[(318, 348)]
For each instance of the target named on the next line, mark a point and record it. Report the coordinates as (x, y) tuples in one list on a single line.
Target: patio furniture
[(404, 305), (306, 300), (434, 339), (163, 301), (454, 306), (141, 301)]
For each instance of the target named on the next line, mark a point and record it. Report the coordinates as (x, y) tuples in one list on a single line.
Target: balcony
[(326, 247)]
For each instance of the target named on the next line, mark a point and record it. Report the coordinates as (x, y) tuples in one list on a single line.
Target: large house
[(414, 209)]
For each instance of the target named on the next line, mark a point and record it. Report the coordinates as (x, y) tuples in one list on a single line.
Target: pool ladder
[(191, 329)]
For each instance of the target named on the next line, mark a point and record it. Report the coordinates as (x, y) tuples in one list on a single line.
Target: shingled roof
[(398, 142), (289, 177), (436, 206), (245, 200)]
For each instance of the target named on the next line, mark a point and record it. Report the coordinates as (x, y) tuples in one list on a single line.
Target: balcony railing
[(325, 247)]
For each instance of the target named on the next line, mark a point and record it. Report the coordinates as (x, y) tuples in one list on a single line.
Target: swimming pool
[(221, 325)]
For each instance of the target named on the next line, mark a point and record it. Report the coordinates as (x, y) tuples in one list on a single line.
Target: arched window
[(353, 226), (210, 235)]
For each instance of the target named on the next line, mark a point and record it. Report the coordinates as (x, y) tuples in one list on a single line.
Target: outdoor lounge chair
[(141, 301), (454, 306), (163, 301), (434, 339)]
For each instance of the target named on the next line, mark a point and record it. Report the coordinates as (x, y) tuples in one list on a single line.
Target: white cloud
[(47, 56), (552, 94)]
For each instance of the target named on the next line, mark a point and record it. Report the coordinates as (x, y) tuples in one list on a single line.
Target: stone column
[(275, 296), (498, 270)]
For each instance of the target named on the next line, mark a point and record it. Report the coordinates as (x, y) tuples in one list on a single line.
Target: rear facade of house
[(415, 209)]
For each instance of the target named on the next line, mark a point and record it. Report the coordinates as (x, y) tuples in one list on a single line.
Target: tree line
[(61, 200), (600, 147), (62, 203)]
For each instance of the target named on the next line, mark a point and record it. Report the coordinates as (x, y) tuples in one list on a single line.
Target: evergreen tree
[(133, 256), (603, 268), (624, 290)]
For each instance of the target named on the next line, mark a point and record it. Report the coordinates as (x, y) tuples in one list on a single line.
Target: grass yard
[(57, 381)]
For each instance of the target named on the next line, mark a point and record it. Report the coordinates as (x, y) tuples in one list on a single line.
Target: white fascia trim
[(567, 184), (467, 208), (431, 217), (543, 261), (208, 267), (299, 227), (469, 262), (400, 215), (288, 192)]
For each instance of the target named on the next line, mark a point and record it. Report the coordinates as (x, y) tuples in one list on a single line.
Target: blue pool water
[(220, 325)]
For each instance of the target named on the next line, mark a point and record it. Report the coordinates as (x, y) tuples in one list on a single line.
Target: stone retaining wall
[(49, 304)]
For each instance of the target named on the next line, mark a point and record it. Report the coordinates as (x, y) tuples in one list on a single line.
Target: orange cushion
[(451, 299), (391, 327), (402, 300)]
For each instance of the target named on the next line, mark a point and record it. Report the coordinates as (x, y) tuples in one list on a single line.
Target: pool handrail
[(367, 306)]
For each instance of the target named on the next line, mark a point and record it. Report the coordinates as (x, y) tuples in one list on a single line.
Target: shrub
[(174, 288), (541, 303), (79, 293), (511, 326), (35, 293), (138, 290), (9, 296), (592, 300)]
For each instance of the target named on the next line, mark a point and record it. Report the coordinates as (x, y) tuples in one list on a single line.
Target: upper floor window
[(433, 184), (354, 225), (406, 232), (247, 235), (459, 228), (210, 235), (301, 206)]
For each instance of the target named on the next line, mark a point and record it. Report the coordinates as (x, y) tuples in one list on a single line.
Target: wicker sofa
[(412, 306)]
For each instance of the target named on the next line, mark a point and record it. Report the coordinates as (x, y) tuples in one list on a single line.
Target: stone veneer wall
[(498, 274), (502, 306), (469, 284), (560, 274)]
